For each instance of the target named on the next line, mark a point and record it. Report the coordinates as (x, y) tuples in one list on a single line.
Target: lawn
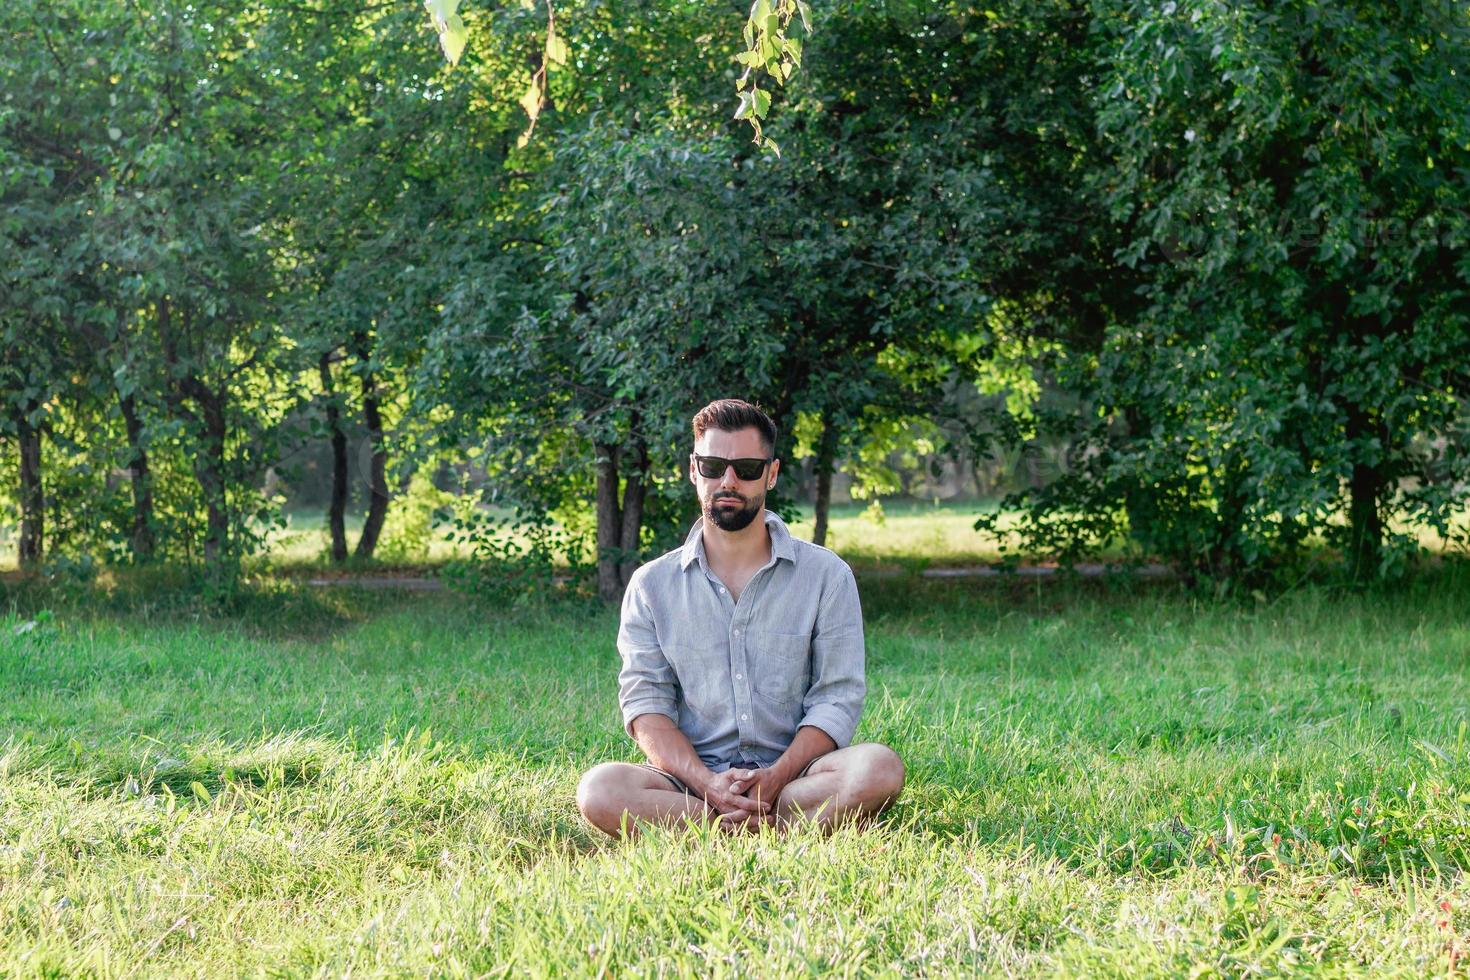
[(1101, 781)]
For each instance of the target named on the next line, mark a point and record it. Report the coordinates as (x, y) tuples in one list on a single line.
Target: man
[(742, 651)]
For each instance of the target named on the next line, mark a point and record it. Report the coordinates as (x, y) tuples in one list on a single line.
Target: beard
[(730, 518)]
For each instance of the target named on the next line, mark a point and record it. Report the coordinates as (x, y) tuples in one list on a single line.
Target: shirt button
[(744, 717), (737, 631), (740, 677), (722, 590)]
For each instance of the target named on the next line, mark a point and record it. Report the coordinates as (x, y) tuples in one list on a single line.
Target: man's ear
[(775, 471), (693, 477)]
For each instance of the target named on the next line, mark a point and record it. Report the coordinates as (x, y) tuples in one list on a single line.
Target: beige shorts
[(679, 786)]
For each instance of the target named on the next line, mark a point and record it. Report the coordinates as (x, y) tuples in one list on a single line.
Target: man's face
[(728, 502)]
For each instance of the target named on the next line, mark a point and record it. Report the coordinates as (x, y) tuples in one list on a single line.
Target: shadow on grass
[(265, 607), (1438, 589)]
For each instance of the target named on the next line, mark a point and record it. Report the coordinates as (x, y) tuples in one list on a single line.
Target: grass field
[(1101, 782)]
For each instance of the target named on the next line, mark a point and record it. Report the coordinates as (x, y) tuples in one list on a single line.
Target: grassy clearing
[(903, 534), (907, 535), (1101, 782)]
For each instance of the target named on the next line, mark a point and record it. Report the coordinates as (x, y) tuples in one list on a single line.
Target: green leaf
[(742, 111), (556, 48), (762, 102), (450, 27), (200, 791), (531, 100), (806, 15)]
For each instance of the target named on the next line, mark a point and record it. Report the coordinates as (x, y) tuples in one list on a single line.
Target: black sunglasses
[(713, 467)]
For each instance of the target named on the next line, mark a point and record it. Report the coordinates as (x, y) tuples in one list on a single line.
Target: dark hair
[(732, 415)]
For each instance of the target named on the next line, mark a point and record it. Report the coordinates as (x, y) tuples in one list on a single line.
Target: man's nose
[(728, 478)]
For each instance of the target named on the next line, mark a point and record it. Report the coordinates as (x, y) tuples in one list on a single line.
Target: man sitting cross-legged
[(742, 651)]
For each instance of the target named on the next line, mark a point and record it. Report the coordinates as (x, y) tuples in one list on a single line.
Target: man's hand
[(762, 785), (738, 810)]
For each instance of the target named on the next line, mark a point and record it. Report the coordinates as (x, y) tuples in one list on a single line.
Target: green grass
[(1101, 782)]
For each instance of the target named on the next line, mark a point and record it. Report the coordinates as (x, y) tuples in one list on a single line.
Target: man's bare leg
[(848, 784), (614, 789)]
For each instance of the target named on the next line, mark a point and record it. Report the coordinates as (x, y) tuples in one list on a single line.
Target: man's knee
[(876, 772), (600, 795)]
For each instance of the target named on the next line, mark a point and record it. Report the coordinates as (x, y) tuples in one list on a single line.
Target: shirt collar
[(781, 546)]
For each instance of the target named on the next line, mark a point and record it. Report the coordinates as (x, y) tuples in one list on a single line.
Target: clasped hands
[(744, 798)]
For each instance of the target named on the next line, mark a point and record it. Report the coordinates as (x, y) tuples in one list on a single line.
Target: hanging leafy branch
[(453, 36), (769, 51), (555, 52)]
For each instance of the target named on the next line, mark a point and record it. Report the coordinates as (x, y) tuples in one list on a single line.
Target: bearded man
[(742, 664)]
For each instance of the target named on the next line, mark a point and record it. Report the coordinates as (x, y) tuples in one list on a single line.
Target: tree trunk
[(1365, 488), (632, 517), (337, 509), (783, 413), (1365, 533), (141, 538), (32, 494), (826, 463), (378, 494), (209, 470), (209, 462), (609, 524)]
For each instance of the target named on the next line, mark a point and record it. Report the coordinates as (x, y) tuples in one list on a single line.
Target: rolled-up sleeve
[(647, 683), (834, 702)]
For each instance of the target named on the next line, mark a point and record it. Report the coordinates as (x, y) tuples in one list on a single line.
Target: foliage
[(649, 304), (1285, 174), (522, 561), (1209, 263), (410, 525)]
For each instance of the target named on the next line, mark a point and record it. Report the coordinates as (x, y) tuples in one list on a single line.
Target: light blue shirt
[(740, 678)]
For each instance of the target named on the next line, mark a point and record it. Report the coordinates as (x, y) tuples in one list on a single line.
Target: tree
[(915, 205), (1296, 178), (649, 302), (49, 160), (183, 226), (380, 174)]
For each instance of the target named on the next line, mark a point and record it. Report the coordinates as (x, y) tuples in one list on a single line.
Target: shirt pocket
[(782, 666)]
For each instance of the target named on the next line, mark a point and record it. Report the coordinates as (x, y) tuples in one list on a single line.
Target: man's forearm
[(809, 743), (669, 749)]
